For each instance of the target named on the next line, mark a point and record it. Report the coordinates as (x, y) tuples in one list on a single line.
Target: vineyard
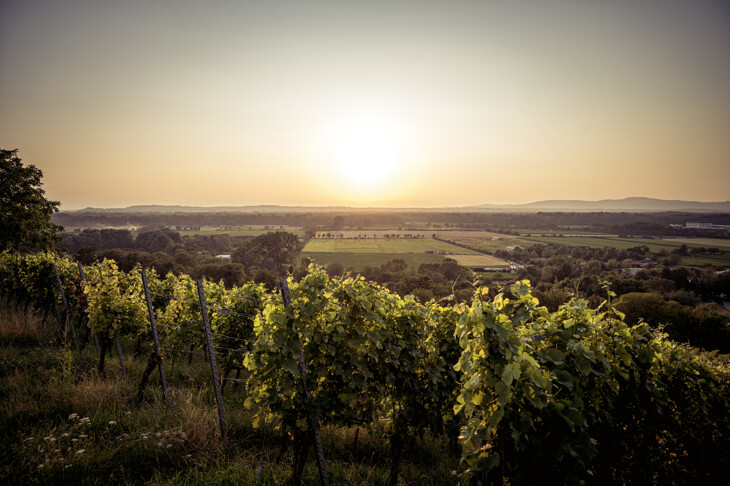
[(511, 393)]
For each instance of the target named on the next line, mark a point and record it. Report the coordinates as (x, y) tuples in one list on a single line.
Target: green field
[(488, 244), (722, 260), (654, 245), (381, 245), (374, 252), (478, 260), (615, 242), (562, 231), (723, 244), (361, 260)]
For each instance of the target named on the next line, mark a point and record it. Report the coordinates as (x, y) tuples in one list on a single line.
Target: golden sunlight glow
[(366, 150)]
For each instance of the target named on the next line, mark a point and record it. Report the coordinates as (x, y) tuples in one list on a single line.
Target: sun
[(366, 151)]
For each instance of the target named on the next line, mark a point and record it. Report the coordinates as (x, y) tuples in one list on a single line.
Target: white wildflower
[(80, 451)]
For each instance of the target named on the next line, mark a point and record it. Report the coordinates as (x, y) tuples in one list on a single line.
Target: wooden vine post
[(211, 358), (155, 337), (67, 314), (311, 421)]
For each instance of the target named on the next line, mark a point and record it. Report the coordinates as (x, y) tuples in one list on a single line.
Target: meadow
[(477, 260), (487, 244), (654, 244), (359, 253), (448, 234), (381, 245), (358, 261)]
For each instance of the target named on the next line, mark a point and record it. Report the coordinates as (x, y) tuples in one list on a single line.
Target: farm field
[(476, 260), (563, 231), (655, 244), (706, 242), (488, 244), (440, 233), (667, 244), (361, 260), (722, 260), (359, 253), (381, 245), (607, 241)]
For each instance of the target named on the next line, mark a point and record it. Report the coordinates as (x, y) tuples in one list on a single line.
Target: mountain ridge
[(629, 204)]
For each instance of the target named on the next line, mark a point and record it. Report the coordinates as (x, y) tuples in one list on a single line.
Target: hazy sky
[(407, 103)]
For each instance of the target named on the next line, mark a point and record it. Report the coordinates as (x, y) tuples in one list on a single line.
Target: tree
[(25, 213), (271, 251)]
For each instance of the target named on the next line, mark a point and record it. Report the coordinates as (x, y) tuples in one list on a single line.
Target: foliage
[(25, 213), (578, 393), (116, 305), (370, 358), (271, 251), (700, 325), (567, 396)]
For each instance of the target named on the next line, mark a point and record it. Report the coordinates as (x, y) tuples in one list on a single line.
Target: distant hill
[(629, 204)]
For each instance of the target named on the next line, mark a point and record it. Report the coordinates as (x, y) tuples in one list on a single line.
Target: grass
[(381, 245), (488, 244), (361, 260), (722, 260), (615, 242), (479, 260), (655, 245), (445, 233), (561, 231), (61, 422), (604, 242), (374, 252), (722, 244)]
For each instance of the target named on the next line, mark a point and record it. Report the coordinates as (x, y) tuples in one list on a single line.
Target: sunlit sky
[(368, 103)]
